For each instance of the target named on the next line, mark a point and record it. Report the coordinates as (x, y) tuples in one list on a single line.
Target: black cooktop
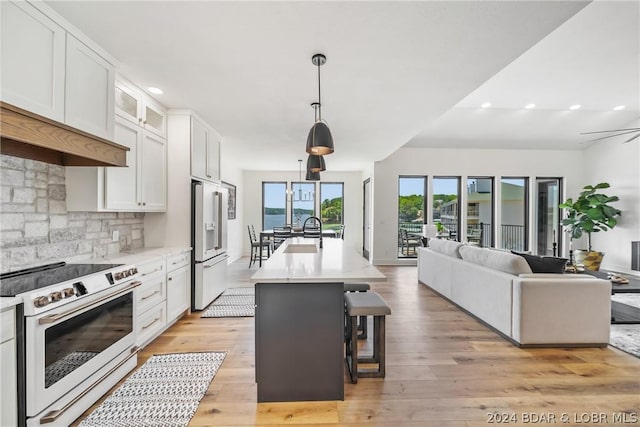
[(21, 281)]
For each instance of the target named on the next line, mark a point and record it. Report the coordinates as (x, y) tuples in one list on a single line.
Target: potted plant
[(590, 213)]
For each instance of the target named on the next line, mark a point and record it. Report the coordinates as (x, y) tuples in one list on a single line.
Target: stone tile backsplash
[(35, 227)]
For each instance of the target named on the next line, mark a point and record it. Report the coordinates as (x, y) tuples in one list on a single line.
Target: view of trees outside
[(411, 203), (445, 205), (331, 204)]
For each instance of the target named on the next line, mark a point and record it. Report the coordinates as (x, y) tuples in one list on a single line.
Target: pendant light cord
[(319, 101)]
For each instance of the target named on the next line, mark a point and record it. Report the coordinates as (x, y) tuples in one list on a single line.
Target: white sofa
[(530, 309)]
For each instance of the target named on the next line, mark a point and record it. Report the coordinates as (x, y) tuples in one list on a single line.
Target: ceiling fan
[(634, 132)]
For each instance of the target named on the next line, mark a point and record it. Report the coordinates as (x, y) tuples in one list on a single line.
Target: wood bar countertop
[(300, 260)]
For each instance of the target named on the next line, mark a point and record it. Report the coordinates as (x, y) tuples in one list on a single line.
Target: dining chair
[(280, 234), (257, 247), (408, 244), (311, 228)]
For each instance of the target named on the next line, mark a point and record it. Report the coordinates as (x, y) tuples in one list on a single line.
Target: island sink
[(301, 248)]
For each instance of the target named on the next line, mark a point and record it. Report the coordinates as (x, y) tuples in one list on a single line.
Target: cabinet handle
[(151, 272), (144, 203), (149, 296), (149, 325), (170, 279)]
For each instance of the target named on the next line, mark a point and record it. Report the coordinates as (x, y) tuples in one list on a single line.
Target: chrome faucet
[(319, 222)]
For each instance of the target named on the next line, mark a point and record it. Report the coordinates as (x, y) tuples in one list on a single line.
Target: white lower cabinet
[(178, 286), (164, 295), (151, 297), (8, 379)]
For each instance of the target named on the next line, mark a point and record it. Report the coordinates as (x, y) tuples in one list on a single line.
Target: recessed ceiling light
[(575, 107), (486, 105), (155, 90), (618, 108), (530, 106)]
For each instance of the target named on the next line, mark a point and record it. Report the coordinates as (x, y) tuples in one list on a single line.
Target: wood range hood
[(31, 136)]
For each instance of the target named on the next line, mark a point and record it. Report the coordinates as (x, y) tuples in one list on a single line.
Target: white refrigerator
[(209, 203)]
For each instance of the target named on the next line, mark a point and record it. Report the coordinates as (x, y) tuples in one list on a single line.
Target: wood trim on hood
[(31, 136)]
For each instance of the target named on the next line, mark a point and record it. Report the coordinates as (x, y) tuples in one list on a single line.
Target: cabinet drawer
[(152, 292), (150, 324), (7, 324), (176, 261), (151, 267)]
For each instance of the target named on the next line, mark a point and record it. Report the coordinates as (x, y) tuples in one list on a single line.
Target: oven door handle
[(52, 318)]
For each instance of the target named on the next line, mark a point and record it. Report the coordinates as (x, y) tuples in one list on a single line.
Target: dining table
[(268, 235)]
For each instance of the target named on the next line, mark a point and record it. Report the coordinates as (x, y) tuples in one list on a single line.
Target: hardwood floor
[(444, 369)]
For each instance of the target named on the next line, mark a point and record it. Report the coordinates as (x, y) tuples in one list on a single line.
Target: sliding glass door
[(480, 211), (514, 213), (547, 222), (446, 209), (411, 206)]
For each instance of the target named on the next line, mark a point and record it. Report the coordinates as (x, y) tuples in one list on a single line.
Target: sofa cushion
[(544, 264), (446, 247), (498, 260)]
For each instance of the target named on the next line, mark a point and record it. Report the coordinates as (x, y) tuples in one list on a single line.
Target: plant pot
[(590, 259)]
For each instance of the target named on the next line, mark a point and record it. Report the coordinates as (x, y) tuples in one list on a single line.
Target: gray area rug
[(626, 338), (165, 391), (234, 302)]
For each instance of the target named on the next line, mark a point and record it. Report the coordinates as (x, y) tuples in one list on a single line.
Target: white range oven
[(79, 336)]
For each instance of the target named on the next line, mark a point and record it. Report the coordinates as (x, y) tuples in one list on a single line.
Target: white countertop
[(333, 263), (140, 256), (7, 302)]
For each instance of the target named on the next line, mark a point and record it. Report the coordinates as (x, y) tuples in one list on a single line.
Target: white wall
[(618, 164), (458, 162), (252, 195), (232, 174)]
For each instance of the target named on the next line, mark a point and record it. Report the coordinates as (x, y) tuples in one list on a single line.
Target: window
[(514, 213), (274, 204), (303, 202), (411, 206), (331, 204), (446, 210), (480, 211)]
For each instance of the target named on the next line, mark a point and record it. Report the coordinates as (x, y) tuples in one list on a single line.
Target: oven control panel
[(57, 295)]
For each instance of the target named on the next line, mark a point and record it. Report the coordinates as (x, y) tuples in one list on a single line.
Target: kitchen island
[(299, 319)]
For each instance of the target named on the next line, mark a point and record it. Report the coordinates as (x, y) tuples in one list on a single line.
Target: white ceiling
[(396, 71)]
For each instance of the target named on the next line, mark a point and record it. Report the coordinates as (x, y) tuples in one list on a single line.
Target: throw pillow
[(544, 264)]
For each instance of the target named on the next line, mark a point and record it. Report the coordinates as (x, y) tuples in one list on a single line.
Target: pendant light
[(315, 163), (319, 141), (313, 176), (307, 196)]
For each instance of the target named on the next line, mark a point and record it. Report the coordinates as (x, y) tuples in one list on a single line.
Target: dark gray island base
[(300, 318), (299, 341)]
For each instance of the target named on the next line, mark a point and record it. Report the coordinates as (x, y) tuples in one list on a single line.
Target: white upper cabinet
[(152, 173), (121, 189), (33, 60), (142, 185), (205, 151), (50, 72), (134, 105), (89, 90)]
